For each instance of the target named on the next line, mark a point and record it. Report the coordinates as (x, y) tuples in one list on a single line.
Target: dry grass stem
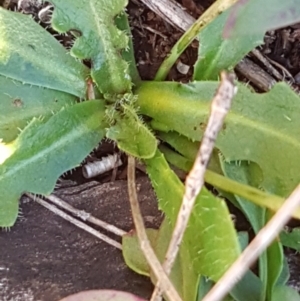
[(85, 216), (151, 258)]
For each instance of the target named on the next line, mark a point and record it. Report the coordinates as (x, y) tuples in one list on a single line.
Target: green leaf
[(128, 53), (183, 274), (275, 264), (246, 173), (189, 151), (285, 293), (132, 253), (258, 16), (291, 239), (216, 54), (100, 40), (262, 128), (210, 237), (285, 273), (28, 53), (44, 151), (131, 135), (20, 103)]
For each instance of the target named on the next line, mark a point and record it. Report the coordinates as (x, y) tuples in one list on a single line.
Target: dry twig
[(85, 216), (151, 258), (75, 222), (219, 108), (261, 241)]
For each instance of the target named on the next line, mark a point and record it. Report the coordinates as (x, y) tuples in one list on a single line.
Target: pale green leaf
[(28, 53), (132, 253), (183, 274), (262, 128), (19, 103), (100, 40), (285, 293), (210, 236), (45, 150), (131, 134)]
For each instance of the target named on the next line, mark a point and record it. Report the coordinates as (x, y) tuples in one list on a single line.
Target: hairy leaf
[(45, 150), (100, 40), (131, 135), (28, 53), (210, 236), (262, 128), (217, 53), (258, 16), (19, 103), (183, 274), (128, 52)]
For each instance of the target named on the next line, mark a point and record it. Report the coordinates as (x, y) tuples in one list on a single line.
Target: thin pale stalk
[(150, 256), (219, 108), (254, 195), (85, 216), (209, 15), (261, 241), (75, 221)]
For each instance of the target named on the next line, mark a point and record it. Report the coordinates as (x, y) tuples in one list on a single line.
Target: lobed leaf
[(45, 150), (100, 40), (20, 103), (262, 128), (28, 53)]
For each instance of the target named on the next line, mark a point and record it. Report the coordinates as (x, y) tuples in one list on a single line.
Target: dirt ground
[(45, 258)]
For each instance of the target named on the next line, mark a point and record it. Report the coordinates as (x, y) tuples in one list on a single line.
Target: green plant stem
[(210, 14), (272, 202)]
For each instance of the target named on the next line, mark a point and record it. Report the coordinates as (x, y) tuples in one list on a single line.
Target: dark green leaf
[(28, 53), (45, 150), (20, 103), (100, 40)]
